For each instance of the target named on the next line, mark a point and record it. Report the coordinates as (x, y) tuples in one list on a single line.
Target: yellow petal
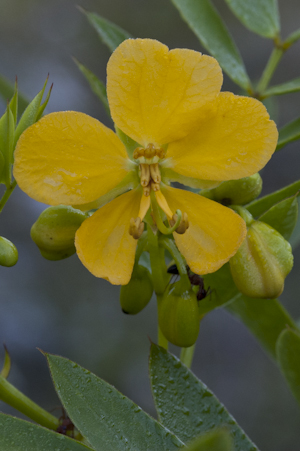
[(156, 95), (237, 142), (103, 242), (215, 232), (69, 158)]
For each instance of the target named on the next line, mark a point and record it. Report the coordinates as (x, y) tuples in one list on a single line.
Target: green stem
[(169, 244), (187, 354), (14, 398), (7, 195), (157, 260), (142, 242), (274, 59)]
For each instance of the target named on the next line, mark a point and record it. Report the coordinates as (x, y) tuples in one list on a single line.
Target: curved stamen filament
[(159, 220), (136, 226)]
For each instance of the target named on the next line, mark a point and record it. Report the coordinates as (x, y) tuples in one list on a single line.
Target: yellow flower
[(169, 103)]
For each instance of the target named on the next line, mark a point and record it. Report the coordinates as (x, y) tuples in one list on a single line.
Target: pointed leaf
[(20, 435), (288, 356), (265, 319), (13, 104), (208, 26), (109, 33), (43, 106), (96, 85), (289, 133), (217, 440), (284, 88), (260, 16), (282, 216), (7, 90), (106, 418), (185, 405), (260, 206), (295, 238)]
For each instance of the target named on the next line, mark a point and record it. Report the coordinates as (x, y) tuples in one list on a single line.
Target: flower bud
[(262, 262), (178, 316), (236, 192), (137, 293), (8, 252), (54, 231)]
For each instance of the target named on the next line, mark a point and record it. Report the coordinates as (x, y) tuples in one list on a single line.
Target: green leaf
[(31, 114), (20, 435), (185, 405), (7, 130), (217, 440), (13, 104), (288, 356), (260, 16), (284, 88), (290, 132), (109, 33), (292, 38), (208, 26), (295, 238), (260, 206), (265, 318), (96, 85), (106, 418), (282, 216), (7, 90), (221, 289)]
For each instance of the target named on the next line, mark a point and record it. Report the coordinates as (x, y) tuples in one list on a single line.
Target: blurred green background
[(59, 306)]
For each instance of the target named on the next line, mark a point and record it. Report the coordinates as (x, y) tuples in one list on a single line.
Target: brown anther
[(155, 173), (146, 190), (154, 186), (150, 151), (184, 223), (145, 174), (161, 153), (138, 152), (136, 228)]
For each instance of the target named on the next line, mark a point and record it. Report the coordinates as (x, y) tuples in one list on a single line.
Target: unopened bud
[(54, 231), (178, 316), (137, 293), (8, 252), (236, 192), (262, 262)]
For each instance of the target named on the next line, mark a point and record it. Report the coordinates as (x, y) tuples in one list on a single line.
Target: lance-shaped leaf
[(109, 33), (96, 85), (20, 435), (260, 206), (7, 90), (185, 405), (288, 356), (106, 418), (282, 216), (289, 133), (284, 88), (265, 319), (208, 26), (260, 16), (217, 440)]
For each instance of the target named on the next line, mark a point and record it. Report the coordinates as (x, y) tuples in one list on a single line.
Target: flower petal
[(234, 143), (103, 242), (156, 95), (69, 158), (215, 232)]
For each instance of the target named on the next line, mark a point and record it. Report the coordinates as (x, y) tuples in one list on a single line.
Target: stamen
[(147, 190), (184, 223), (145, 174), (150, 151), (155, 173), (138, 152), (136, 228), (161, 200), (144, 206), (154, 186), (161, 153)]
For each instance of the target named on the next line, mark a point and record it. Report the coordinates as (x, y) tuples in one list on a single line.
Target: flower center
[(150, 178)]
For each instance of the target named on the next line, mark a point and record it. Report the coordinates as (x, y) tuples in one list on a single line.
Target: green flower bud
[(8, 252), (262, 262), (178, 316), (236, 192), (137, 293), (54, 231)]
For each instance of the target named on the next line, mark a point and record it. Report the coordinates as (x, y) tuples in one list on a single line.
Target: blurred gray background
[(59, 306)]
